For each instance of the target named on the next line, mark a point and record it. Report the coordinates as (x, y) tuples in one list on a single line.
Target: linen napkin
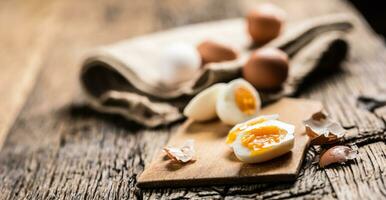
[(124, 78)]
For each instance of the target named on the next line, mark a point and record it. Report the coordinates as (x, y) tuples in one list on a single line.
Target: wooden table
[(56, 147)]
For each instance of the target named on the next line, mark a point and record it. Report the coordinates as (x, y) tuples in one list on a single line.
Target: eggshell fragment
[(322, 130), (184, 154), (178, 62), (211, 51), (265, 23), (203, 106), (337, 154), (266, 69)]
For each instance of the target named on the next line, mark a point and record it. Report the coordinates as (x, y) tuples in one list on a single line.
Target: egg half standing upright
[(203, 106), (237, 102), (260, 139)]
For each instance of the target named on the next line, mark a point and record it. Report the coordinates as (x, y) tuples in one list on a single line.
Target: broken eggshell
[(337, 154), (322, 129), (182, 155)]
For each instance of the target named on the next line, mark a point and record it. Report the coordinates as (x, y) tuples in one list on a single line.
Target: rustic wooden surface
[(60, 149), (20, 53), (216, 163)]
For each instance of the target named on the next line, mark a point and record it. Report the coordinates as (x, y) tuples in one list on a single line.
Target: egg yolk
[(231, 137), (245, 100), (233, 133), (257, 140)]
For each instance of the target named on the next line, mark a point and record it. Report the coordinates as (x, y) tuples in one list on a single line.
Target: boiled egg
[(237, 102), (260, 139), (203, 106), (178, 63), (265, 23)]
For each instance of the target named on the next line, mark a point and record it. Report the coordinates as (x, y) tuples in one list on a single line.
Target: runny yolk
[(245, 100), (257, 139), (233, 133)]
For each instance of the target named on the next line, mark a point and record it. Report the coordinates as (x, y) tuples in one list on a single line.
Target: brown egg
[(266, 69), (337, 154), (214, 52), (265, 23)]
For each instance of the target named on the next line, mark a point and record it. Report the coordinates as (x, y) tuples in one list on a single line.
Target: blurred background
[(374, 12), (43, 41)]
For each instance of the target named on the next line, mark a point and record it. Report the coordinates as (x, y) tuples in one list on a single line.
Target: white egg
[(179, 62), (238, 102), (203, 106), (261, 140)]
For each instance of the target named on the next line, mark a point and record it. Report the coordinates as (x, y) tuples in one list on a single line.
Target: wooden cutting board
[(216, 163)]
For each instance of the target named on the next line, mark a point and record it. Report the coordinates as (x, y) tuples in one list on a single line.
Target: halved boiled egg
[(260, 139), (237, 102), (203, 106)]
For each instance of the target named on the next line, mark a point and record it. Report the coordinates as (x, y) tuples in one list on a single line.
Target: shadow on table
[(327, 69), (84, 111)]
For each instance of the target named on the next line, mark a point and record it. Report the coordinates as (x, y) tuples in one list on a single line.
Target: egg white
[(178, 61), (226, 107), (203, 106), (273, 150)]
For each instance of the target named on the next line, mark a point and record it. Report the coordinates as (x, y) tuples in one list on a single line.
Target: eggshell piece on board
[(323, 130)]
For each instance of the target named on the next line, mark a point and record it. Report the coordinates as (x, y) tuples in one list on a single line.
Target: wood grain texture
[(60, 149), (216, 163), (364, 177), (26, 30)]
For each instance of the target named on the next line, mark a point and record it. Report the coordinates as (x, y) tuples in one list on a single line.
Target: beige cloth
[(123, 78)]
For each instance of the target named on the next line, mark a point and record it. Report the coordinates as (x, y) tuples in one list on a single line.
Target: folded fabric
[(124, 78)]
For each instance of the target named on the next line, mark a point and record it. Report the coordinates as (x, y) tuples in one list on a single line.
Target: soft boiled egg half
[(234, 102), (203, 106), (260, 139), (237, 102)]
